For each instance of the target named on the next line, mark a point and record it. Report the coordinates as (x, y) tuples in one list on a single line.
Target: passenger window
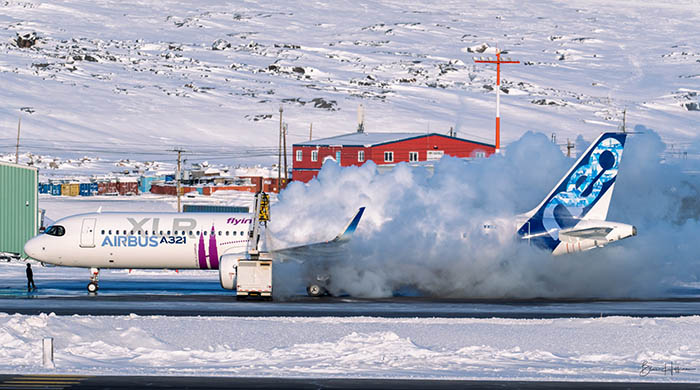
[(132, 233), (103, 232), (175, 233), (160, 233), (110, 232), (168, 232), (125, 232), (197, 232), (205, 232), (219, 232), (227, 232)]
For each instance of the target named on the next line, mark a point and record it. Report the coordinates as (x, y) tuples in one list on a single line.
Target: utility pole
[(311, 130), (554, 138), (624, 120), (569, 146), (498, 62), (178, 176), (361, 118), (17, 148), (279, 154), (284, 143)]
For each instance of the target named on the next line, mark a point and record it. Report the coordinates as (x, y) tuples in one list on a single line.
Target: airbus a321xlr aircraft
[(157, 241), (571, 218)]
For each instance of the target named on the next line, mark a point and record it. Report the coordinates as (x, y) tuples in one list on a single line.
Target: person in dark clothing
[(30, 278)]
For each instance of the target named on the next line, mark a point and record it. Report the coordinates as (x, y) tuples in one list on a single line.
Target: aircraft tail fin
[(584, 193)]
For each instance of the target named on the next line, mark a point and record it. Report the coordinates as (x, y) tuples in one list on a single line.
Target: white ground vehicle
[(254, 278)]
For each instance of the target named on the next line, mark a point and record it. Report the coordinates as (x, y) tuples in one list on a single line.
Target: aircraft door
[(87, 234)]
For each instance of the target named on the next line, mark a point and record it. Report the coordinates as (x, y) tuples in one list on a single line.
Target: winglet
[(350, 229)]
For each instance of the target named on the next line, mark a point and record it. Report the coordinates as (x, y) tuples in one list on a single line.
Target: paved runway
[(216, 305), (59, 382), (182, 295)]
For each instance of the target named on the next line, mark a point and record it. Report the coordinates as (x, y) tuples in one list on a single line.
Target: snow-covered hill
[(136, 77)]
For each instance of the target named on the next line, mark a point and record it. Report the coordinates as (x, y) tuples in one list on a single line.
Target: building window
[(361, 156), (480, 154), (314, 155), (299, 155), (388, 156), (337, 156), (412, 156)]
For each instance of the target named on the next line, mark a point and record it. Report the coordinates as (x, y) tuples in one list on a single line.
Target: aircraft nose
[(33, 249)]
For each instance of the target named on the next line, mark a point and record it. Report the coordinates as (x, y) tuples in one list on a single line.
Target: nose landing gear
[(92, 287)]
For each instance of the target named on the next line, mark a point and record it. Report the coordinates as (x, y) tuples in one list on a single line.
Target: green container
[(19, 198)]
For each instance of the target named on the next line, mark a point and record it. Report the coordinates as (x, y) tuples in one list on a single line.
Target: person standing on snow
[(30, 278)]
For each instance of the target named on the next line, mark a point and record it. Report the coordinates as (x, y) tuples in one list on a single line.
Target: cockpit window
[(55, 230)]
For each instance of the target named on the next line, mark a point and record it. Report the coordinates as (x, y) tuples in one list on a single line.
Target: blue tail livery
[(572, 217)]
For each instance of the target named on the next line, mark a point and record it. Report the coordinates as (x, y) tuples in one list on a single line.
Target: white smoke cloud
[(426, 232)]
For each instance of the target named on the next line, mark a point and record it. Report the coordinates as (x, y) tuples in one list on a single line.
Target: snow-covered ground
[(609, 349), (119, 79)]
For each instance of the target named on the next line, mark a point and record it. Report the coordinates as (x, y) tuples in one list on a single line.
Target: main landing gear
[(92, 287), (317, 286), (315, 290)]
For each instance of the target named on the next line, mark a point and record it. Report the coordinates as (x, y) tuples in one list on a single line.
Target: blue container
[(85, 189), (146, 182), (94, 188), (44, 188), (55, 189)]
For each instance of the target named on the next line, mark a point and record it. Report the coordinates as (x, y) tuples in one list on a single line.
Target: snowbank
[(610, 349)]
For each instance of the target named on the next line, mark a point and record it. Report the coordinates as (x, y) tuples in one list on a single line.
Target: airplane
[(572, 218), (165, 240)]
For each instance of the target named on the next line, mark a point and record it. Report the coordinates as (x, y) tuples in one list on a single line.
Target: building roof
[(373, 139)]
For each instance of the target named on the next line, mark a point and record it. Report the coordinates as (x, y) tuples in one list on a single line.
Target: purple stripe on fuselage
[(213, 251), (201, 253)]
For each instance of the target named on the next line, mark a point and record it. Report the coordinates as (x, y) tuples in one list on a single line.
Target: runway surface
[(62, 291), (175, 382), (196, 297)]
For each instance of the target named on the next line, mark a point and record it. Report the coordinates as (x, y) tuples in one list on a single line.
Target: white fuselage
[(142, 240)]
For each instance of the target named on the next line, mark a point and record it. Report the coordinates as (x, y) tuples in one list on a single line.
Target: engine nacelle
[(227, 271), (565, 247)]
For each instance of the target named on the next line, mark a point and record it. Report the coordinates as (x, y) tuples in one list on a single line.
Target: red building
[(382, 148)]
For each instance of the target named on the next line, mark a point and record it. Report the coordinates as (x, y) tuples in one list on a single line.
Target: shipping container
[(73, 189), (56, 189), (85, 189)]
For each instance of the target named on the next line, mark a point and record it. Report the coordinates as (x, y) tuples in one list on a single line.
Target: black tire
[(92, 287), (315, 290)]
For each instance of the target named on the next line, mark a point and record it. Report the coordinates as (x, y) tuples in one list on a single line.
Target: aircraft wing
[(320, 250)]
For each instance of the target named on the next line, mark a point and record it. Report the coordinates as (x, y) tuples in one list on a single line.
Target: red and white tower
[(498, 61)]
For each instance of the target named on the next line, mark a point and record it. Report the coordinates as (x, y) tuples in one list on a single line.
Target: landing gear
[(317, 285), (92, 287), (315, 290)]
